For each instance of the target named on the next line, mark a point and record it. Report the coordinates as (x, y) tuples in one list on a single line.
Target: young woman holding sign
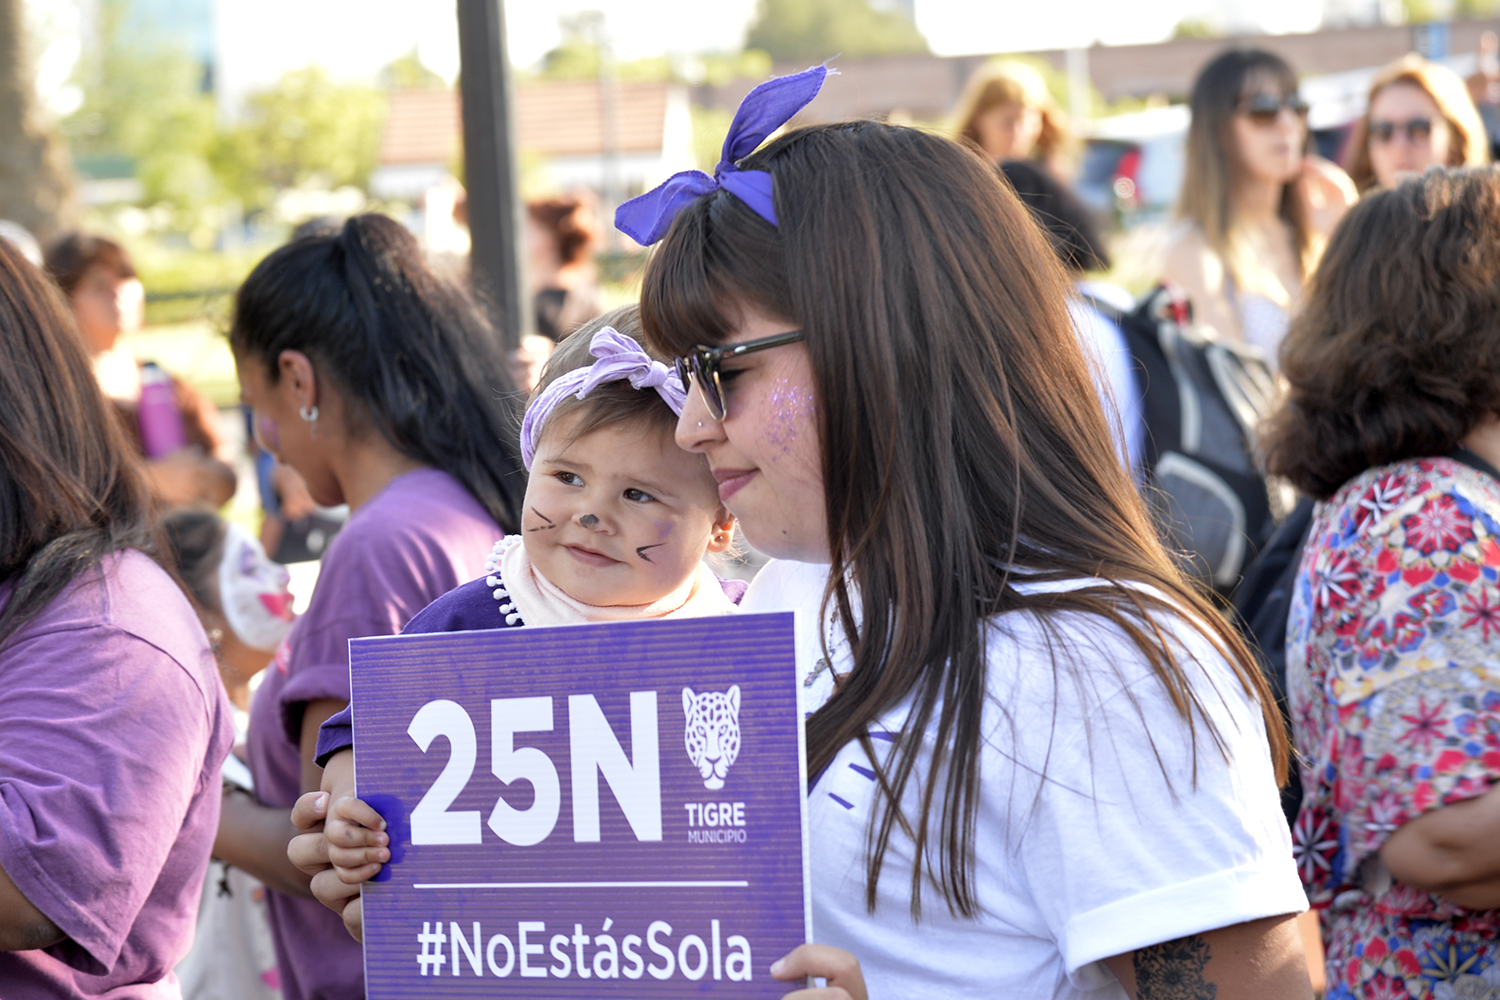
[(1074, 759)]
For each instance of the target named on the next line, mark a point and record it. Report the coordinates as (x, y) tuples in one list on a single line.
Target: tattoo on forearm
[(1173, 970)]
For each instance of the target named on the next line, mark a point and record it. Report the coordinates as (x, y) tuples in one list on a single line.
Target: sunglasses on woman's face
[(701, 367), (1415, 130), (1263, 109)]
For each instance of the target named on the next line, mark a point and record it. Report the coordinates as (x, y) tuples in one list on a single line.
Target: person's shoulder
[(785, 585), (1402, 489), (1067, 653), (1188, 254), (420, 502), (128, 602), (469, 607), (418, 514)]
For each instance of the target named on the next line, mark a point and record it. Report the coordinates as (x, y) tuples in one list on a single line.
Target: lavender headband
[(619, 359), (764, 110)]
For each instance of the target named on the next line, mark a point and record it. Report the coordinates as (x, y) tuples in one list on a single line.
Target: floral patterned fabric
[(1393, 676)]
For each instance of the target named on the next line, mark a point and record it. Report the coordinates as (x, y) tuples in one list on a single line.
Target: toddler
[(616, 525)]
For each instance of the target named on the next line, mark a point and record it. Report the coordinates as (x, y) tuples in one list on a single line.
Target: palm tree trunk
[(36, 187)]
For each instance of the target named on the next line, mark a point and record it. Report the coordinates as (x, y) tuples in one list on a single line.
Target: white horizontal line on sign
[(581, 885)]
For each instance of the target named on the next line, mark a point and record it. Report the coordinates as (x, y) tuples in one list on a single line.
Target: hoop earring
[(310, 415)]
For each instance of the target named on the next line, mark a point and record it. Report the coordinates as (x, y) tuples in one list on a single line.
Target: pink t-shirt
[(414, 541), (113, 727)]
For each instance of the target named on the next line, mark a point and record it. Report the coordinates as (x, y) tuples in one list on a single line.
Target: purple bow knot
[(764, 110), (619, 359)]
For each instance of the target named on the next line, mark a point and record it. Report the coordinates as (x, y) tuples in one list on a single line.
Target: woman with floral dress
[(1393, 643)]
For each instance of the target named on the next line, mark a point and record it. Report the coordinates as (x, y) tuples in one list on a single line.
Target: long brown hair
[(1212, 168), (1470, 146), (1394, 355), (71, 488), (963, 447)]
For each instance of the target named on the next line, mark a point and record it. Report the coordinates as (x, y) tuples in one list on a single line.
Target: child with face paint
[(242, 600), (616, 525), (240, 594)]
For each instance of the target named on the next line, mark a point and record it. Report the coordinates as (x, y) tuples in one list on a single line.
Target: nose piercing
[(700, 423), (588, 520)]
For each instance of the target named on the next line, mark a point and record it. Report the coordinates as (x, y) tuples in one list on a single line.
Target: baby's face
[(619, 516)]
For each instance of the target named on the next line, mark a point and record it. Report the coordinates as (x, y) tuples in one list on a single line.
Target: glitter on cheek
[(268, 434), (789, 407)]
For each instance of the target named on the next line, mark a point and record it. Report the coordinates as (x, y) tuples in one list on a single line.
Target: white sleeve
[(1124, 848)]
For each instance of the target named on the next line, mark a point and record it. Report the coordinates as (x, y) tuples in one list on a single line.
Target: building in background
[(561, 125)]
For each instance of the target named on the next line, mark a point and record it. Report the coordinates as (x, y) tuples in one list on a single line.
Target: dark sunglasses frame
[(701, 366), (1262, 109), (1415, 129)]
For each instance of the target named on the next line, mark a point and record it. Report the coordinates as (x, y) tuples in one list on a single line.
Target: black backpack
[(1261, 606), (1201, 401)]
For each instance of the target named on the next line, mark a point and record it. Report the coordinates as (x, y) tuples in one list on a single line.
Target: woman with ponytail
[(384, 387)]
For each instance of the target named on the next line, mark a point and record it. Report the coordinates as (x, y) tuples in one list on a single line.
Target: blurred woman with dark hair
[(1392, 421), (1256, 208), (384, 387), (113, 724), (101, 285)]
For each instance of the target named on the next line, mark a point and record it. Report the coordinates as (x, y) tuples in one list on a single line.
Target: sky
[(353, 38)]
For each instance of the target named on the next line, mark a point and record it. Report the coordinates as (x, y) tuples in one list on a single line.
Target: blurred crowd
[(1303, 404)]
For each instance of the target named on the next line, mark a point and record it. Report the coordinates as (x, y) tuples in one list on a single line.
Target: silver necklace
[(824, 662)]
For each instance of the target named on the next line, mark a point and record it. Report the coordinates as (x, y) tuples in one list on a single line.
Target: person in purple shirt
[(113, 724), (384, 387)]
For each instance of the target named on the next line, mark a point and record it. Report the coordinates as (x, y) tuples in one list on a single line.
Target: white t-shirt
[(1102, 857)]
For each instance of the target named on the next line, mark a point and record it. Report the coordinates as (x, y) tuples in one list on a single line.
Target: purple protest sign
[(584, 811)]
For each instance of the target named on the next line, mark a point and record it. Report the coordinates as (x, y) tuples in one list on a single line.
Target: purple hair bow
[(619, 359), (764, 110)]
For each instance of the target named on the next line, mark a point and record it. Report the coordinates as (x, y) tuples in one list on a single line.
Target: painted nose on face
[(589, 521)]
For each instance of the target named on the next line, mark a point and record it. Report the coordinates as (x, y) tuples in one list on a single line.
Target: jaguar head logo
[(713, 732)]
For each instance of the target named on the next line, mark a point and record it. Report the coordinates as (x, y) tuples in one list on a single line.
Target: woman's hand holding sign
[(343, 842), (309, 852), (839, 967)]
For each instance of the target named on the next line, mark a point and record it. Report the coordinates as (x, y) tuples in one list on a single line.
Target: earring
[(216, 641), (310, 415)]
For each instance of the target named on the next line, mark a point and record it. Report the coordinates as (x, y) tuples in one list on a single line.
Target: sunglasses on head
[(1416, 130), (1263, 109), (701, 367)]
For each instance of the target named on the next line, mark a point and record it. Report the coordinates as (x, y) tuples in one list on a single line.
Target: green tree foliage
[(145, 100), (307, 129), (1196, 27), (814, 30), (409, 73), (145, 103)]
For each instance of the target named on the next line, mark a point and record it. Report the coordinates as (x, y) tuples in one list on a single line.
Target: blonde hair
[(1211, 171), (1470, 146), (1009, 81)]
